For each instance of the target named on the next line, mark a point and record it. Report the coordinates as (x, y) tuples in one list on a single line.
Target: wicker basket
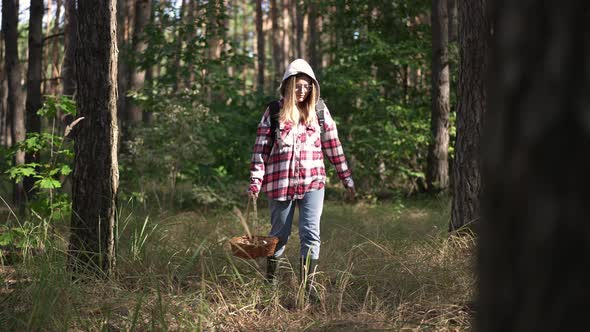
[(258, 246), (252, 246)]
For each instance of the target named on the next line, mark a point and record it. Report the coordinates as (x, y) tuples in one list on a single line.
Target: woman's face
[(303, 86)]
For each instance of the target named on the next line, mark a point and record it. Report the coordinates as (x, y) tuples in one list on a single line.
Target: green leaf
[(48, 183), (65, 170)]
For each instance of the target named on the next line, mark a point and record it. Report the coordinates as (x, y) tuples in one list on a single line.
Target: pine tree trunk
[(453, 22), (55, 56), (69, 67), (533, 239), (287, 34), (15, 105), (313, 36), (136, 73), (277, 52), (96, 175), (34, 102), (437, 175), (4, 128), (474, 35), (300, 14), (260, 47)]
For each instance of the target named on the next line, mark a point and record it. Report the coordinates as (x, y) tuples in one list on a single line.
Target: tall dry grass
[(383, 267)]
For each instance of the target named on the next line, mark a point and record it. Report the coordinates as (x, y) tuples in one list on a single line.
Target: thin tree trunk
[(313, 35), (190, 40), (277, 52), (179, 41), (15, 105), (3, 95), (69, 67), (533, 263), (260, 47), (291, 32), (55, 57), (300, 28), (34, 102), (5, 130), (437, 175), (474, 34), (286, 36), (136, 73), (96, 175), (453, 22), (123, 70)]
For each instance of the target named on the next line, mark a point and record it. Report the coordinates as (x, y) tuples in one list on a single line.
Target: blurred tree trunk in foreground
[(535, 234)]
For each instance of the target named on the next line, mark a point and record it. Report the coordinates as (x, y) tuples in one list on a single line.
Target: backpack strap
[(319, 111), (274, 108)]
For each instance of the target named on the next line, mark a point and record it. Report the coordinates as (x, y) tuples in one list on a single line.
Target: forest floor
[(389, 266)]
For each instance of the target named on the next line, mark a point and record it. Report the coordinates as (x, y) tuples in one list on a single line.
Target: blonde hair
[(293, 111)]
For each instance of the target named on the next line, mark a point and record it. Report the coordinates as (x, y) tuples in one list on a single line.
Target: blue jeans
[(310, 211)]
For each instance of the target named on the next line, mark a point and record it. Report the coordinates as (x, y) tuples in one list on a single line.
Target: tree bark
[(474, 35), (313, 36), (123, 13), (437, 174), (300, 13), (260, 47), (69, 67), (55, 57), (96, 175), (533, 243), (277, 52), (136, 73), (287, 36), (4, 128), (34, 102), (15, 105), (453, 22)]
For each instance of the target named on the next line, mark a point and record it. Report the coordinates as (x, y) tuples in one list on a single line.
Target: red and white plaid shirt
[(295, 164)]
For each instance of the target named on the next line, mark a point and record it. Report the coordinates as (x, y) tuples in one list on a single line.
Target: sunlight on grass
[(385, 266)]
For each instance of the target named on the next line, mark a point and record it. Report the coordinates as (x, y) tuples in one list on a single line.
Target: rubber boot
[(307, 270), (272, 264)]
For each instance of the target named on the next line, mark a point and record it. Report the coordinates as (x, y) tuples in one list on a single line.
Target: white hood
[(300, 66)]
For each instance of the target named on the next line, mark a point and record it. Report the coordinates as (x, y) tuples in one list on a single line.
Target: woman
[(289, 166)]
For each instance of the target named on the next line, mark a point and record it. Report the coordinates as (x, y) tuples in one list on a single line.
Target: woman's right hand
[(252, 195)]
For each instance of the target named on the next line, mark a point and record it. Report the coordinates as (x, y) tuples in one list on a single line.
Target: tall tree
[(299, 16), (453, 22), (260, 47), (474, 35), (69, 67), (15, 106), (437, 174), (277, 52), (287, 35), (56, 42), (136, 72), (4, 131), (314, 58), (96, 176), (534, 236), (34, 102)]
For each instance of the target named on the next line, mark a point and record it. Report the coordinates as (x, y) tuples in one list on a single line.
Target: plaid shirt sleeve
[(333, 149), (260, 152)]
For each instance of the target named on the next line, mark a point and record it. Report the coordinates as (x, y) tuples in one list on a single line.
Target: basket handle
[(255, 219), (245, 222)]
